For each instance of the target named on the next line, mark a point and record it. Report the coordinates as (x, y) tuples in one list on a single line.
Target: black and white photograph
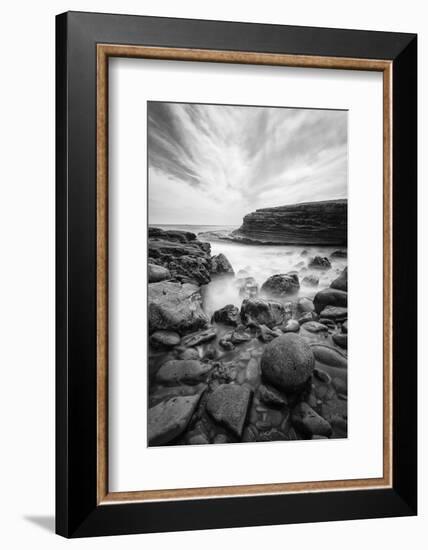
[(247, 273)]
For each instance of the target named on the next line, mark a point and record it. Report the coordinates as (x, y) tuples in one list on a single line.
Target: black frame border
[(77, 512)]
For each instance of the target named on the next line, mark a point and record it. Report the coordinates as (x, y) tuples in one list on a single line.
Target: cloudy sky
[(212, 164)]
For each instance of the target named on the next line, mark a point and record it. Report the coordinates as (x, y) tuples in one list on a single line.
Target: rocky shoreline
[(273, 368)]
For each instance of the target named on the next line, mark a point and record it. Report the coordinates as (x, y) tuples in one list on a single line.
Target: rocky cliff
[(306, 223)]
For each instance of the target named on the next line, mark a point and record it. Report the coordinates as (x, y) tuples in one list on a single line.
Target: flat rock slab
[(228, 405), (186, 371), (168, 419), (197, 338), (175, 307), (308, 422)]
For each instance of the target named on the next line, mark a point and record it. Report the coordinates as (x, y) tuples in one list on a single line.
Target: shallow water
[(262, 261)]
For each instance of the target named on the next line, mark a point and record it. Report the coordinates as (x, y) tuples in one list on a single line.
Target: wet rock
[(175, 307), (186, 258), (341, 340), (281, 285), (239, 336), (308, 422), (306, 318), (310, 280), (315, 327), (186, 371), (271, 396), (341, 282), (305, 305), (291, 326), (330, 297), (345, 327), (339, 254), (287, 362), (334, 312), (322, 375), (329, 356), (197, 338), (157, 273), (340, 385), (220, 265), (226, 343), (255, 311), (168, 419), (165, 338), (319, 262), (228, 405), (329, 323), (228, 315), (266, 334)]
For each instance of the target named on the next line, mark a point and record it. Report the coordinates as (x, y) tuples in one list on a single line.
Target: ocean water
[(260, 262)]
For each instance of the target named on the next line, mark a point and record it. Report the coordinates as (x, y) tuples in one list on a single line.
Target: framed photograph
[(236, 274)]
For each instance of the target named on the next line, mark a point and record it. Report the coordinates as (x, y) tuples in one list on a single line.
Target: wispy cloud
[(212, 164)]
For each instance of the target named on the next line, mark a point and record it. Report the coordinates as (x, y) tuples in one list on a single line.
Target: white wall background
[(27, 271)]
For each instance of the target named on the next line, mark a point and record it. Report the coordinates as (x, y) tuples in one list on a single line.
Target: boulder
[(175, 307), (341, 283), (308, 422), (335, 313), (329, 356), (287, 362), (186, 258), (319, 262), (168, 419), (306, 318), (165, 338), (267, 334), (305, 305), (220, 265), (182, 371), (330, 297), (239, 336), (228, 405), (255, 311), (197, 338), (281, 285), (341, 340), (157, 273), (228, 315)]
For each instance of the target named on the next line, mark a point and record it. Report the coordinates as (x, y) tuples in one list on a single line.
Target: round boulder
[(287, 362), (281, 284)]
